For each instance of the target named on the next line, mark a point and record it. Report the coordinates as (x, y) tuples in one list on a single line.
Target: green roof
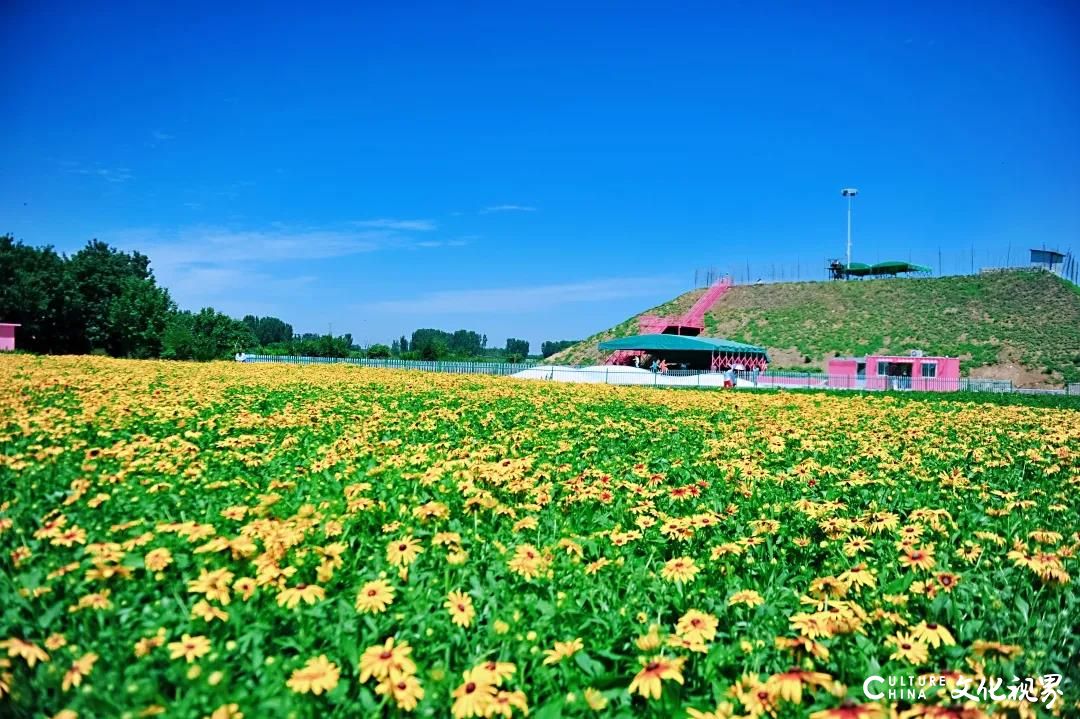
[(889, 267), (681, 343)]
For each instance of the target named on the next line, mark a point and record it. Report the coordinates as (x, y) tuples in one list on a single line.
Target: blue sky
[(540, 172)]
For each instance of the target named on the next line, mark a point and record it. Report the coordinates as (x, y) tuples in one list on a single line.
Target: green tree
[(35, 292), (269, 330), (517, 347), (549, 348), (205, 336), (378, 351), (101, 276), (137, 319)]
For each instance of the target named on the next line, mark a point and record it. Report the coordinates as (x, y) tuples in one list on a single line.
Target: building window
[(882, 369), (929, 369)]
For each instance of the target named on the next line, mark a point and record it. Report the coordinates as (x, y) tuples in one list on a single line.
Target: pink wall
[(7, 337), (946, 378), (842, 371)]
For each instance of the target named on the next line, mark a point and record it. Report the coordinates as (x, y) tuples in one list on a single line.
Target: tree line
[(101, 300)]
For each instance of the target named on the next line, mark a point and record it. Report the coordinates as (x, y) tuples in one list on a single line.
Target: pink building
[(914, 372), (7, 337)]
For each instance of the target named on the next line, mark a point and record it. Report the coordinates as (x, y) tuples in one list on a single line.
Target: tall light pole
[(849, 193)]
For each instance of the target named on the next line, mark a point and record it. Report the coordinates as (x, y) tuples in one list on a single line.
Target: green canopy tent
[(696, 352)]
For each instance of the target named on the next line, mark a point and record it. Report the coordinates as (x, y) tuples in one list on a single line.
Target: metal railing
[(492, 368), (623, 375)]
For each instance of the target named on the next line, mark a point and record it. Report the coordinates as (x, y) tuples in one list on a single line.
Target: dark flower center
[(470, 688)]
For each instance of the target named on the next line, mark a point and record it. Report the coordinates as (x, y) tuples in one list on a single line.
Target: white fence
[(622, 375)]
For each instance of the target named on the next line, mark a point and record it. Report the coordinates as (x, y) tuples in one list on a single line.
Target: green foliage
[(517, 347), (269, 330), (205, 336), (378, 352), (35, 293), (101, 299), (549, 348)]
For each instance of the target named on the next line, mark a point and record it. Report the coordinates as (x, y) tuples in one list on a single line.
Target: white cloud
[(392, 224), (219, 246), (109, 174), (230, 269), (524, 299), (507, 208)]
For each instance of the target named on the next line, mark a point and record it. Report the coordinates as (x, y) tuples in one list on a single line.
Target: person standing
[(663, 366)]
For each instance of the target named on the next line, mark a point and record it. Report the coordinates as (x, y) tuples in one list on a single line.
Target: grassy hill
[(1021, 325)]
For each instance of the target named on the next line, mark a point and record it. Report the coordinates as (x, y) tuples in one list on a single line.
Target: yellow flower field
[(231, 540)]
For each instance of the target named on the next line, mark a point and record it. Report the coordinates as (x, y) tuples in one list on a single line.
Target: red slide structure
[(690, 324)]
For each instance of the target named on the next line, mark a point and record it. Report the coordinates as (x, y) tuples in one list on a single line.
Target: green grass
[(1019, 325)]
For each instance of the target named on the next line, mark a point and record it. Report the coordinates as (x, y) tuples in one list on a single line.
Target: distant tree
[(101, 276), (379, 351), (269, 330), (395, 348), (204, 336), (466, 343), (433, 350), (404, 343), (137, 319), (425, 340), (35, 292), (517, 347), (549, 348)]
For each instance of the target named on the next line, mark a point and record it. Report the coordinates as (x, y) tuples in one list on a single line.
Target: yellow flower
[(747, 596), (505, 702), (680, 569), (403, 552), (475, 696), (563, 650), (404, 688), (380, 660), (213, 584), (651, 640), (460, 606), (226, 711), (374, 597), (157, 559), (189, 647), (207, 612), (648, 682), (317, 676), (79, 668), (307, 593), (527, 561), (596, 701), (245, 586), (697, 626), (908, 649), (933, 634), (28, 651)]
